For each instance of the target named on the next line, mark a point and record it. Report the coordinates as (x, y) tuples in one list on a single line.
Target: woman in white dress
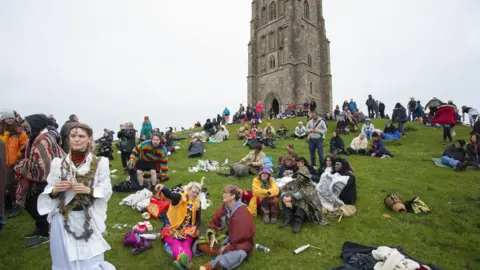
[(76, 203)]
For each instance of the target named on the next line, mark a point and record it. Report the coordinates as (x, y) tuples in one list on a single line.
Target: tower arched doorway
[(275, 106)]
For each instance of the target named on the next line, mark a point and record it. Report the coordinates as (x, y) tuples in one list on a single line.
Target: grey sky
[(182, 61)]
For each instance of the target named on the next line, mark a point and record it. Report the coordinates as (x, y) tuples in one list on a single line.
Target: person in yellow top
[(182, 223), (265, 189)]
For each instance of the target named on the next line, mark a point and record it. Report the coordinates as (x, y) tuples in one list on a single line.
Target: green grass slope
[(448, 237)]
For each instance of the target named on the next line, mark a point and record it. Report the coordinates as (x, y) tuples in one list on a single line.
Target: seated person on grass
[(300, 202), (182, 222), (302, 162), (473, 151), (282, 131), (269, 136), (358, 145), (337, 145), (378, 147), (233, 217), (264, 188), (338, 187), (368, 129), (251, 163), (454, 156), (300, 131), (287, 167), (243, 132), (150, 156)]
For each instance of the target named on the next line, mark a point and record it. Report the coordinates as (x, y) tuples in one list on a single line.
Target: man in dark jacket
[(412, 105), (126, 137), (454, 156), (400, 116), (370, 105), (313, 105), (337, 145), (381, 109), (64, 132)]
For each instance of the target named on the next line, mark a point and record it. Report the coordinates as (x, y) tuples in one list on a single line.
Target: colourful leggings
[(180, 246)]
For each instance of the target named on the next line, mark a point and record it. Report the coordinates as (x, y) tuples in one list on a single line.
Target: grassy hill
[(448, 237)]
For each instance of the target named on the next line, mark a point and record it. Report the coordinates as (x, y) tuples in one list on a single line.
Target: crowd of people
[(63, 180)]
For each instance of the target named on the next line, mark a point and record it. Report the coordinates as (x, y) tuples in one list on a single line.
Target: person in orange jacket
[(265, 188), (15, 139)]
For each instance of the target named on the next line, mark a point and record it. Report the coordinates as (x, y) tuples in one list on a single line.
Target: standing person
[(232, 216), (76, 200), (316, 129), (376, 109), (151, 157), (370, 103), (72, 120), (313, 105), (15, 140), (241, 110), (412, 106), (3, 178), (249, 112), (399, 116), (445, 116), (146, 131), (182, 222), (259, 110), (32, 173), (381, 109), (472, 113), (306, 107), (419, 111), (127, 142), (226, 115)]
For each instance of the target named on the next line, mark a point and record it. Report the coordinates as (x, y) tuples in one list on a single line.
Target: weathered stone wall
[(289, 57)]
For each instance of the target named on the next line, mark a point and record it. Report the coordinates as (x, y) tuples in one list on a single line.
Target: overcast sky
[(181, 61)]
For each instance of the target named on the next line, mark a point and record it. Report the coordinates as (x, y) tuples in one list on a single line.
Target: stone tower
[(288, 54)]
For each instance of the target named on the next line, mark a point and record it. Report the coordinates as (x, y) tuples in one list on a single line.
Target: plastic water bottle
[(301, 249), (262, 248)]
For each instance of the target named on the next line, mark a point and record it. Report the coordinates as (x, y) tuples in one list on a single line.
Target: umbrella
[(433, 103)]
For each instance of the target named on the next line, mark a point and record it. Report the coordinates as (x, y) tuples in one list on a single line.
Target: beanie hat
[(7, 114), (265, 170)]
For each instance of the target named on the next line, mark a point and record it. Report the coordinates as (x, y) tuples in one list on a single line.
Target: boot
[(297, 225), (286, 222), (15, 211), (266, 218)]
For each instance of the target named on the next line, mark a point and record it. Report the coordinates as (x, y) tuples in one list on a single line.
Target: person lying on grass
[(182, 222), (233, 217), (454, 156), (358, 145), (264, 187), (378, 147)]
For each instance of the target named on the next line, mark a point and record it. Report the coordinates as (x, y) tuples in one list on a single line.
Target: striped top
[(147, 152)]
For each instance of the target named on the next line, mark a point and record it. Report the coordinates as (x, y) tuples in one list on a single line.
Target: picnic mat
[(438, 163)]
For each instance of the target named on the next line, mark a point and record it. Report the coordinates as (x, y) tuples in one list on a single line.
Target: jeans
[(368, 133), (449, 161), (411, 114), (316, 144), (371, 112)]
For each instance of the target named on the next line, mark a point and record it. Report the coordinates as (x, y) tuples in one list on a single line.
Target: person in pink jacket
[(259, 110)]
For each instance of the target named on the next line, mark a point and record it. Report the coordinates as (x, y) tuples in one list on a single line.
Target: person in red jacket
[(239, 244), (447, 117)]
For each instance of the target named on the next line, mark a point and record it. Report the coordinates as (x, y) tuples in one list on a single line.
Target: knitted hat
[(7, 114), (265, 170)]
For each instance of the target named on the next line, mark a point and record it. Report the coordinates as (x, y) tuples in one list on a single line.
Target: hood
[(237, 205), (37, 123)]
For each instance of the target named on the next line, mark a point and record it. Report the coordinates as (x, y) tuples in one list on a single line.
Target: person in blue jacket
[(352, 106), (226, 115)]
